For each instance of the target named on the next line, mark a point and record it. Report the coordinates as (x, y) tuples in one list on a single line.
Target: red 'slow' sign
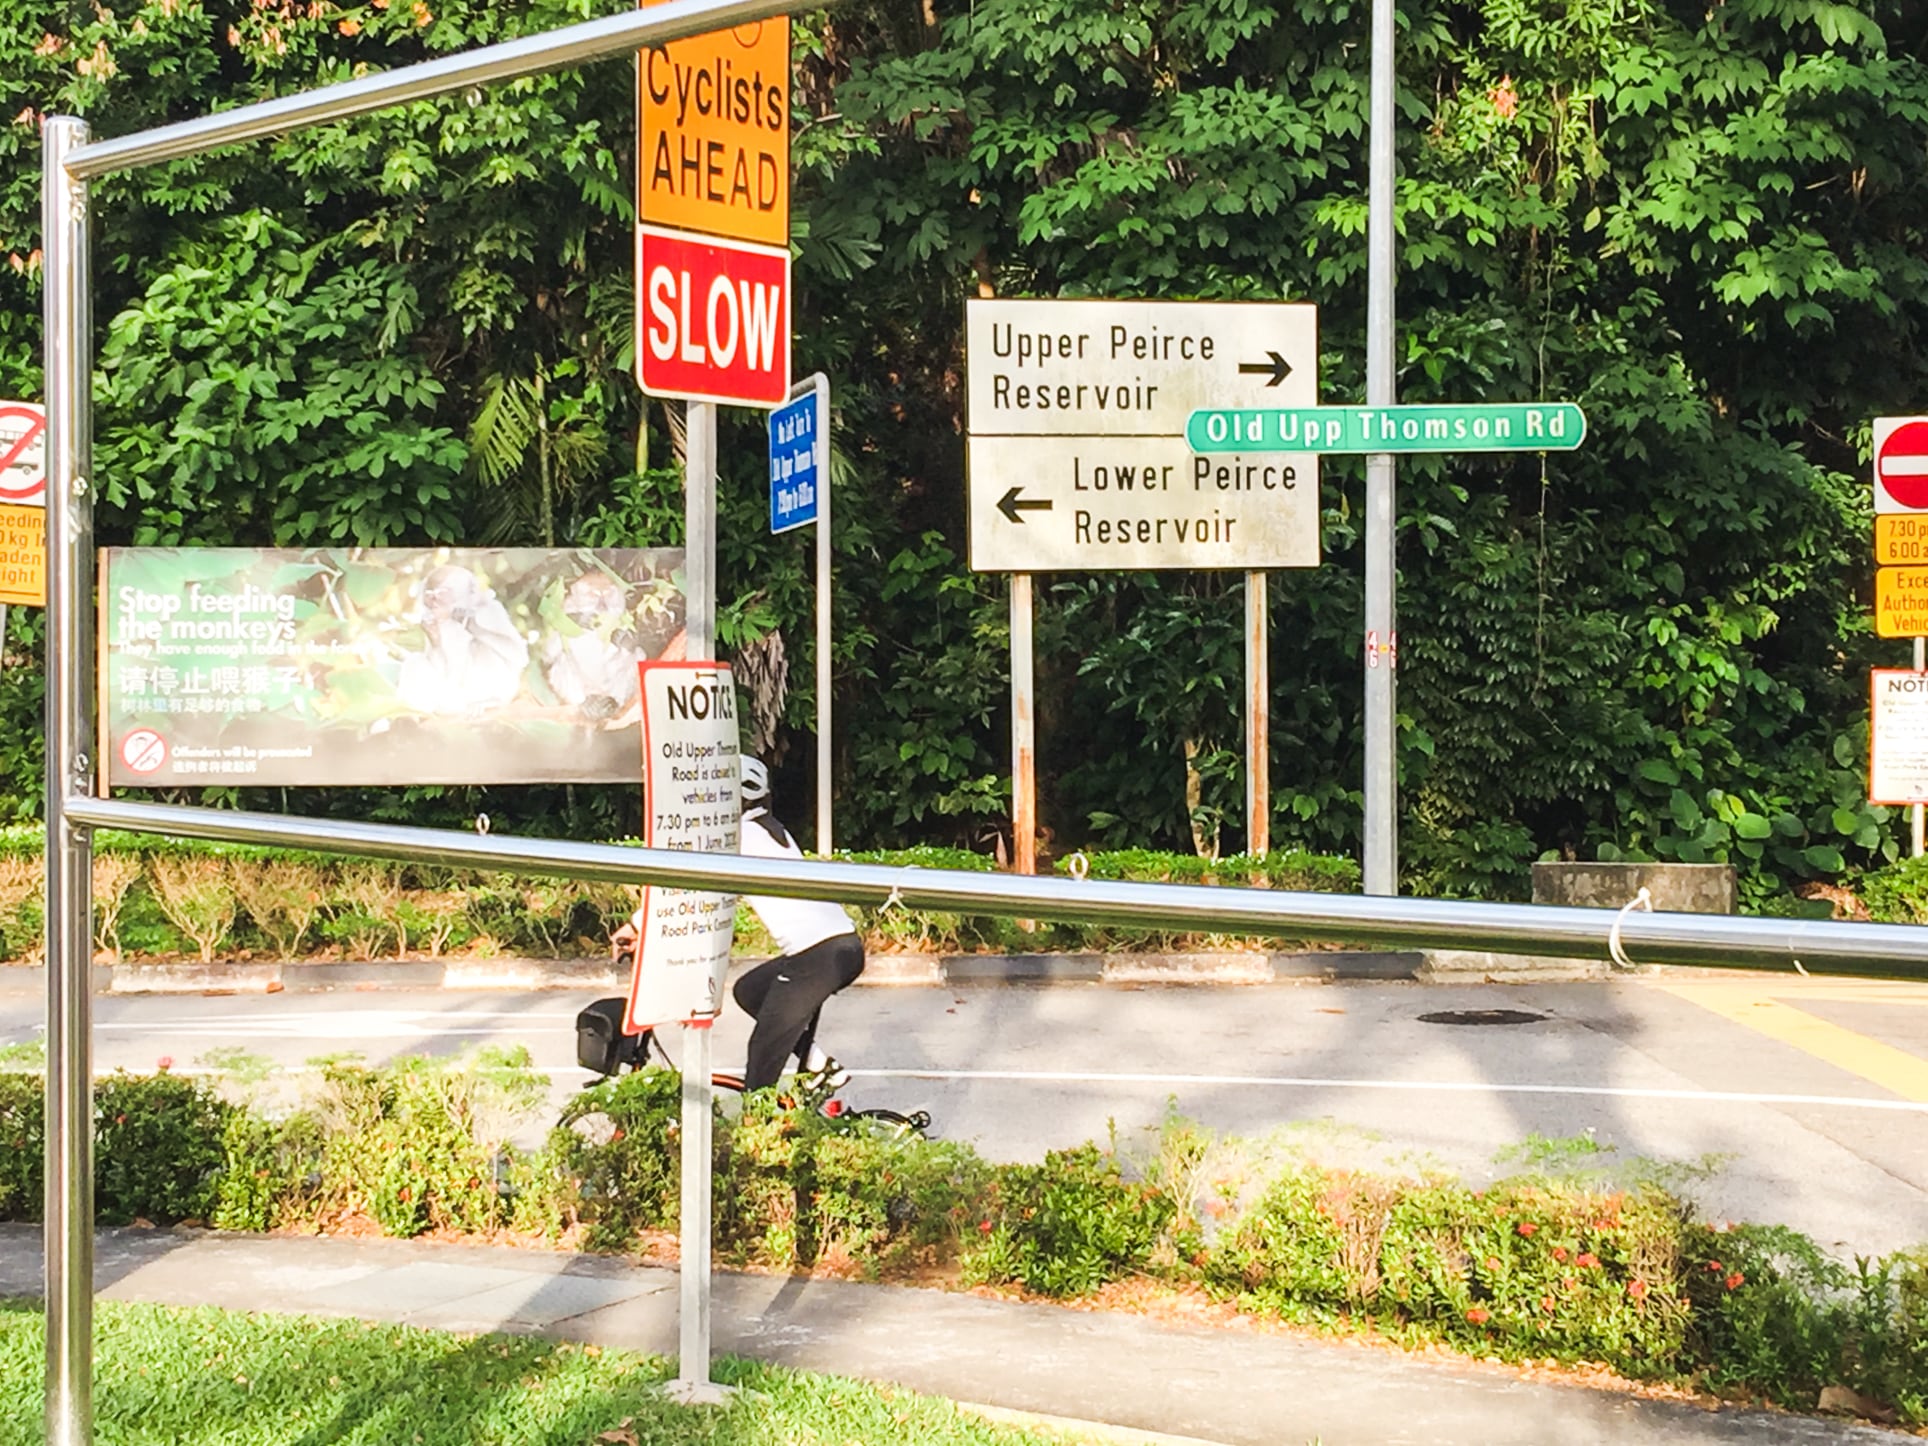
[(712, 319)]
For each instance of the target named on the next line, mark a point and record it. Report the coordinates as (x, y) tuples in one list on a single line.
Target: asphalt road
[(1801, 1101)]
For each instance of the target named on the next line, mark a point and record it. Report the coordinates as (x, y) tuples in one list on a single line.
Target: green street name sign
[(1497, 427)]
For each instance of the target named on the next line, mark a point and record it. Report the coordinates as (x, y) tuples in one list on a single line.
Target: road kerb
[(1079, 1430)]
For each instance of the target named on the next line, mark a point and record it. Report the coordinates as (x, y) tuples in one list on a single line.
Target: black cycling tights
[(783, 996)]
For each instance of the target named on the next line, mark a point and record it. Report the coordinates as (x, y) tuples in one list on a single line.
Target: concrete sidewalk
[(1239, 1388)]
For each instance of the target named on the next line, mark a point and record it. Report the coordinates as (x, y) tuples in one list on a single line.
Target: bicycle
[(603, 1049)]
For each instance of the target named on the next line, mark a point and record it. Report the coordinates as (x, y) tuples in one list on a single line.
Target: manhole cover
[(1481, 1016)]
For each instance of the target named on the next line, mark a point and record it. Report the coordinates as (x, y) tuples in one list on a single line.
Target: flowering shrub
[(1531, 1267), (157, 1148), (1067, 1226)]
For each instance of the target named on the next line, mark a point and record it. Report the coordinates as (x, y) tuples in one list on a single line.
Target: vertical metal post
[(1258, 721), (1024, 742), (823, 615), (69, 724), (692, 1383), (1921, 811), (1381, 862)]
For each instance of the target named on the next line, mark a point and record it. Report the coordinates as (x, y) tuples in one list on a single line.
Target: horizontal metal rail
[(529, 55), (1895, 951)]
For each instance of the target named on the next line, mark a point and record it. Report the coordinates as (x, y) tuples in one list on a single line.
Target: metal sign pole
[(692, 1384), (1920, 810), (70, 681), (1024, 744), (1258, 721), (823, 613), (1381, 862)]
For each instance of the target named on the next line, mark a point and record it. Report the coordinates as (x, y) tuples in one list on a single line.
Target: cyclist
[(822, 954)]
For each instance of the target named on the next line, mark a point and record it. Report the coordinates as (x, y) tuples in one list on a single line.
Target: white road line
[(1250, 1081)]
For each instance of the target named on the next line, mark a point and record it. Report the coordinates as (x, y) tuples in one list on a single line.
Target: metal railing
[(1898, 951)]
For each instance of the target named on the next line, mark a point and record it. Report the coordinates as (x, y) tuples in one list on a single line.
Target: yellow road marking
[(1754, 1007)]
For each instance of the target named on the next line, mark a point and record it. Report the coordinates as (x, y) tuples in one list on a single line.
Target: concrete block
[(1675, 888)]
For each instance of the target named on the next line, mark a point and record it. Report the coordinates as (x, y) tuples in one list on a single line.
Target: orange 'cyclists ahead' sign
[(714, 122)]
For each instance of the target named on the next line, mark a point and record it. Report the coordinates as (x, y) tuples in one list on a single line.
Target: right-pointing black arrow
[(1010, 506), (1278, 369)]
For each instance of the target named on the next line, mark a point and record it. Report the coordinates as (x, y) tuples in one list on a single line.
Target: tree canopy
[(1704, 224)]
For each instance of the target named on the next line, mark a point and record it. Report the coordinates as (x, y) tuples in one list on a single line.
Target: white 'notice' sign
[(689, 802), (1898, 737)]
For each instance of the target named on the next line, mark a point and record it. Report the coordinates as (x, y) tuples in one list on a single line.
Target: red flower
[(1586, 1260), (1735, 1281), (1714, 1267), (1478, 1315), (985, 1226), (1528, 1229), (1546, 1304), (1492, 1262), (403, 1194), (164, 1063), (1637, 1289), (120, 1119), (1504, 98), (833, 1108), (1559, 1253)]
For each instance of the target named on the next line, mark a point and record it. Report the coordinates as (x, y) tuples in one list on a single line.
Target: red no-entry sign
[(712, 319), (23, 453), (1901, 464)]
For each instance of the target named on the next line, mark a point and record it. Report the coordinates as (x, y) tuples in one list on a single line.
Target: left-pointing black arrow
[(1010, 506), (1278, 369)]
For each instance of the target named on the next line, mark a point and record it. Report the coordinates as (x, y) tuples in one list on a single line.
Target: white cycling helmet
[(754, 784)]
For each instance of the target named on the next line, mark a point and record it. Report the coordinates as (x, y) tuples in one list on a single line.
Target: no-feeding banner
[(389, 665)]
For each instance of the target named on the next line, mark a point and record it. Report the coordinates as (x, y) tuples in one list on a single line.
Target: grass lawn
[(203, 1377)]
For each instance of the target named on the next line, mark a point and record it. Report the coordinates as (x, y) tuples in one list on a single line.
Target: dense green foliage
[(1574, 1257), (1704, 225)]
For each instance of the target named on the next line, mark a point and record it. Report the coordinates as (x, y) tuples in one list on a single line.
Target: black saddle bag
[(602, 1046)]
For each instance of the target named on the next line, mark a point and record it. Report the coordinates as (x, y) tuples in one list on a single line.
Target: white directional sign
[(1077, 451)]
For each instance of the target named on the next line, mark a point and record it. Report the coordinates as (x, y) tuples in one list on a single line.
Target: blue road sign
[(795, 437)]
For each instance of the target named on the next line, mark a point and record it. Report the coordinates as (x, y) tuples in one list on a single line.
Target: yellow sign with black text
[(1901, 602), (23, 555), (714, 126), (1900, 538)]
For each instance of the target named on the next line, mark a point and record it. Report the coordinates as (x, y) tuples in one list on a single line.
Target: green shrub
[(1067, 1226), (271, 1171), (197, 894), (1897, 894), (1287, 1252), (1770, 1314), (883, 1200), (414, 1145), (1548, 1265), (1524, 1269), (23, 1115), (1891, 1345), (1530, 1268), (612, 1165), (158, 1150)]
